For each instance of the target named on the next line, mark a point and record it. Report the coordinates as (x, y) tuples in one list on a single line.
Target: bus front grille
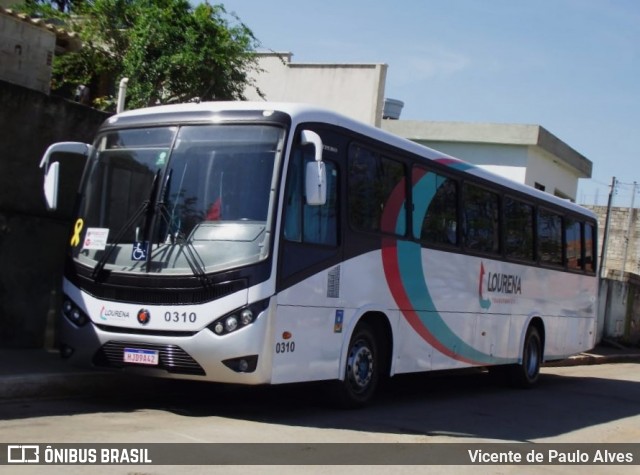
[(172, 358), (160, 295)]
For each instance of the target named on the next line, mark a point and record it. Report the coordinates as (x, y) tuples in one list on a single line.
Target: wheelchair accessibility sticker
[(139, 251)]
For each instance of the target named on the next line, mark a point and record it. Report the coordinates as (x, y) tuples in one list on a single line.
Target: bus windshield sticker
[(96, 238), (139, 251), (77, 229)]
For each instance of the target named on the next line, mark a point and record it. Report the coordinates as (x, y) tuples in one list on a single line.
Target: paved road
[(597, 404)]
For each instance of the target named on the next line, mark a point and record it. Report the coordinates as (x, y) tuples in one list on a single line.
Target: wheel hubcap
[(360, 365)]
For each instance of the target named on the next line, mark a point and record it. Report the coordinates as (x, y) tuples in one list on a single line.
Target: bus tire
[(526, 375), (362, 371)]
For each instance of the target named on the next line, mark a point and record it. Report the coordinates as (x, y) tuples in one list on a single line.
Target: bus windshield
[(178, 200)]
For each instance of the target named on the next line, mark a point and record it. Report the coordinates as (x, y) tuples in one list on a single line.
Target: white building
[(356, 90), (27, 48), (26, 51), (528, 154)]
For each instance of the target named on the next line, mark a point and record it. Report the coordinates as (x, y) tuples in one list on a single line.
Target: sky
[(571, 66)]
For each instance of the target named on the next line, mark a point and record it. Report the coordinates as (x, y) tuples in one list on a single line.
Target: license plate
[(137, 356)]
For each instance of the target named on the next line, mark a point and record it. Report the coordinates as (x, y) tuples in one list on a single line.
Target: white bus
[(275, 243)]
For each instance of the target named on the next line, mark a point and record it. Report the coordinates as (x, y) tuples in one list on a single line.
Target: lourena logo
[(506, 284), (484, 303)]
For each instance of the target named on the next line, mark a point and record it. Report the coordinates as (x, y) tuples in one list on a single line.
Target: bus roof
[(301, 113)]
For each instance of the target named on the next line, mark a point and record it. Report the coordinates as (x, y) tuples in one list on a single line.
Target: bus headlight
[(246, 316), (238, 319), (231, 323), (73, 313)]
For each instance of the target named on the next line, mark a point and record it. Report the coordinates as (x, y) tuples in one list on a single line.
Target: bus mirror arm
[(316, 174), (52, 171), (309, 137)]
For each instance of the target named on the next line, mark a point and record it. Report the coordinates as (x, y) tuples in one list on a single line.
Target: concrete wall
[(32, 240), (619, 306), (544, 168), (623, 234), (26, 53), (508, 161), (619, 315), (355, 90)]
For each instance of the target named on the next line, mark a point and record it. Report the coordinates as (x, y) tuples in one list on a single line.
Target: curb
[(585, 359)]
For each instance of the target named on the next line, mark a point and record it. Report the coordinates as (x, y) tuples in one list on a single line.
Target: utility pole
[(629, 231), (605, 237)]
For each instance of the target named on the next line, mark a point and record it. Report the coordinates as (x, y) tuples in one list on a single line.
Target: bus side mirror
[(316, 173), (52, 171), (51, 185), (316, 184)]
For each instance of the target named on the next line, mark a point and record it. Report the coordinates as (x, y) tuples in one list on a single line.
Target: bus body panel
[(179, 318), (446, 307), (206, 348), (452, 329)]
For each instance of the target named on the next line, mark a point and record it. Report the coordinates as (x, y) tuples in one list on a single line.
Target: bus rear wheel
[(526, 375), (362, 370)]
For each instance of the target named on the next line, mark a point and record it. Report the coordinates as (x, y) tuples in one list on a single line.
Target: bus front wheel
[(362, 369)]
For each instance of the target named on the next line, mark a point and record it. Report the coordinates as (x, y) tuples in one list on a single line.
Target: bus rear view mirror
[(52, 171), (316, 184), (316, 174), (51, 180)]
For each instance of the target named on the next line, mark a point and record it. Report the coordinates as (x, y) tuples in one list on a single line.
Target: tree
[(60, 5), (169, 50)]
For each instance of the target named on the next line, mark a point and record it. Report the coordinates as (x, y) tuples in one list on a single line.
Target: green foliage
[(169, 50), (59, 5)]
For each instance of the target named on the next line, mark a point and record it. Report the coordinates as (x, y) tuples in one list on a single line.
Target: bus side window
[(480, 219), (435, 199), (376, 183), (304, 223), (572, 244), (550, 237), (518, 239), (588, 247)]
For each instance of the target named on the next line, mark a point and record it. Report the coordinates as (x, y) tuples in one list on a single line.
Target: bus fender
[(534, 318), (358, 315)]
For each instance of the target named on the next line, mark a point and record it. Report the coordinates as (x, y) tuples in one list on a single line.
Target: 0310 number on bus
[(178, 317)]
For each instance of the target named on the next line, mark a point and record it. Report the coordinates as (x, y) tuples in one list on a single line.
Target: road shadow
[(454, 404)]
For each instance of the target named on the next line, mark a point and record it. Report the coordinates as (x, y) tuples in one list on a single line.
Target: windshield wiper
[(152, 210), (176, 236), (190, 253), (144, 208)]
